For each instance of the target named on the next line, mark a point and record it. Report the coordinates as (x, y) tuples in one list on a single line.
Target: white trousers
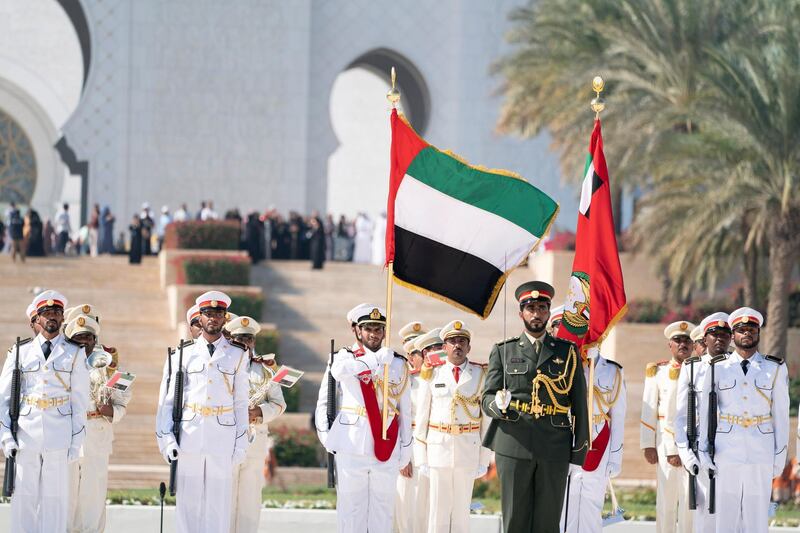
[(203, 499), (365, 493), (451, 493), (704, 522), (41, 492), (88, 485), (743, 495), (587, 492), (411, 506), (672, 499), (247, 484)]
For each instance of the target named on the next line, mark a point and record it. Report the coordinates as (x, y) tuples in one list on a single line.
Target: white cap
[(49, 299), (192, 313), (213, 299), (83, 309), (354, 313), (243, 325), (427, 340), (82, 324), (676, 329), (746, 315), (456, 328), (714, 320)]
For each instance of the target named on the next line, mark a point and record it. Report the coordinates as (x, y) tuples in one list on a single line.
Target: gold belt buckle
[(536, 410), (454, 429), (206, 411)]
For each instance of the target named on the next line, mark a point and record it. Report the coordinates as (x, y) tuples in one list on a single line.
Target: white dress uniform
[(321, 409), (52, 420), (213, 431), (587, 489), (657, 431), (89, 474), (366, 486), (411, 507), (248, 477), (448, 433), (751, 440)]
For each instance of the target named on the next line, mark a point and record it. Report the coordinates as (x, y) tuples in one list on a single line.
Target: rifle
[(691, 433), (712, 435), (177, 415), (331, 416), (13, 414)]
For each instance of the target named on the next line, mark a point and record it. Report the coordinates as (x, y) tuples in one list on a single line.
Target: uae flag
[(287, 376), (596, 296), (454, 231)]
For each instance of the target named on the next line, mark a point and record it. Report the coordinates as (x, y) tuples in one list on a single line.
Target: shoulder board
[(717, 359), (185, 343), (651, 370), (482, 365), (612, 362), (346, 349), (426, 372), (72, 342), (562, 341), (237, 344), (403, 357), (693, 359), (25, 341), (510, 339), (774, 359), (662, 363)]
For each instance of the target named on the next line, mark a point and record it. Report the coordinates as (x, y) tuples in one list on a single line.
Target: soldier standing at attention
[(698, 346), (54, 394), (449, 425), (193, 319), (214, 422), (265, 404), (540, 424), (752, 426), (411, 506), (657, 432)]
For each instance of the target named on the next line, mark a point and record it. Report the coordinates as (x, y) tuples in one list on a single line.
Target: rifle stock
[(331, 416), (13, 413), (712, 435), (691, 433), (177, 414)]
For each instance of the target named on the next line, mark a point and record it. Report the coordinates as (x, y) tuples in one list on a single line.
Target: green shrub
[(645, 311), (216, 271), (295, 447), (267, 341), (203, 235)]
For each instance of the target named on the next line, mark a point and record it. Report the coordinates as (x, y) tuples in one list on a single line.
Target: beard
[(746, 343), (51, 326), (212, 329), (535, 329)]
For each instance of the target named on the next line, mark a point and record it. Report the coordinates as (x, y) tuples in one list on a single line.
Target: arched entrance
[(17, 162)]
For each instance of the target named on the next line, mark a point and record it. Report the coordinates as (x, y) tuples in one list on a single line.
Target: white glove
[(502, 398), (73, 454), (613, 469), (171, 452), (384, 356), (691, 463), (424, 470), (575, 469), (706, 463), (239, 456), (481, 471), (10, 447)]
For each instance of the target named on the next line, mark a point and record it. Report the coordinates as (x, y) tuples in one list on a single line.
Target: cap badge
[(534, 294), (684, 326), (50, 303), (81, 321), (417, 326), (86, 308), (214, 303), (720, 323), (245, 322), (375, 314)]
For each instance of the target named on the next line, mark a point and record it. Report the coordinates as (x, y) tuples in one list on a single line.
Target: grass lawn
[(639, 504)]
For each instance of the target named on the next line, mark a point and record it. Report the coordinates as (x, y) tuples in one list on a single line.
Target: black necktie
[(745, 364), (210, 349), (47, 347)]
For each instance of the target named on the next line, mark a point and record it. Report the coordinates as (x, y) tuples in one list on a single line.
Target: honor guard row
[(717, 424), (216, 441)]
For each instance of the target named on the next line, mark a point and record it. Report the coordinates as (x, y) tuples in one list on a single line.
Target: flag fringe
[(613, 322)]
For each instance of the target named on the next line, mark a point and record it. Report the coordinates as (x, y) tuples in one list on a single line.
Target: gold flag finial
[(598, 103), (393, 95)]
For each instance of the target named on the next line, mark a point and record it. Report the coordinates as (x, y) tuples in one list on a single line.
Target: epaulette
[(693, 359), (510, 339), (651, 370), (613, 363), (563, 341), (717, 359), (185, 343), (401, 356), (774, 359), (25, 341), (426, 372), (237, 344), (482, 365), (346, 349)]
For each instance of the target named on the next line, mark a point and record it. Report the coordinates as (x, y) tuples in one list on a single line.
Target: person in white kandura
[(52, 419), (752, 434), (449, 430), (214, 422), (89, 474), (715, 334), (588, 483), (266, 403), (367, 465)]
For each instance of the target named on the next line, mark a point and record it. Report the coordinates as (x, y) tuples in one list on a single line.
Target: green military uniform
[(544, 429)]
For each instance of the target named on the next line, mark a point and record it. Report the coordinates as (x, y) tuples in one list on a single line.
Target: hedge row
[(205, 235), (212, 270)]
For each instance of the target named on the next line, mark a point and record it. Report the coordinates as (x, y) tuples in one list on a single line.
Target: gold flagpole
[(597, 104), (393, 96)]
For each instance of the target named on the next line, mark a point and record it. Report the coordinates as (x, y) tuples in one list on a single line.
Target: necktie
[(745, 364), (456, 373), (537, 347), (210, 349), (47, 347)]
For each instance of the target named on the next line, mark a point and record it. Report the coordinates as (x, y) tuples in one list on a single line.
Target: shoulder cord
[(552, 384), (606, 400), (466, 401)]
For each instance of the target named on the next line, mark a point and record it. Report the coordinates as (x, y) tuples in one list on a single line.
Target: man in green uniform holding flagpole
[(537, 401)]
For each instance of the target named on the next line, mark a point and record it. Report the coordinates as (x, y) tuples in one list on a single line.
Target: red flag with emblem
[(596, 297)]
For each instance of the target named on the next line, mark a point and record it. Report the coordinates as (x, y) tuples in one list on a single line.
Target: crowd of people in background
[(267, 235)]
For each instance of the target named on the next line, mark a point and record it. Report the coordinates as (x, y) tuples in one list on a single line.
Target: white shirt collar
[(534, 339), (55, 340)]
